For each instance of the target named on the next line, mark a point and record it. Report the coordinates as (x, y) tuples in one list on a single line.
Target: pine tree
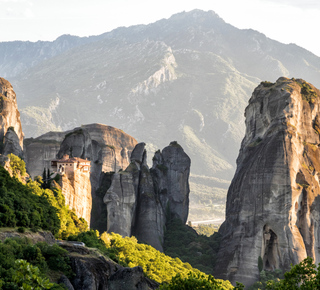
[(49, 179), (44, 178)]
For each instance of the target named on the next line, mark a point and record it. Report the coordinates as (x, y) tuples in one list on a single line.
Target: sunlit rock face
[(107, 148), (140, 200), (10, 126), (273, 202), (76, 189)]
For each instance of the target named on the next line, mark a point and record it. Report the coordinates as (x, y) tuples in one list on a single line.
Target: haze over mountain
[(187, 78)]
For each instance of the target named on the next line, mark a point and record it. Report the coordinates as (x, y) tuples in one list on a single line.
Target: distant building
[(69, 166)]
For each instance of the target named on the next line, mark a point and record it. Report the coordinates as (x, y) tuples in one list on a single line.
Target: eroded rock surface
[(273, 202), (11, 144), (76, 189), (120, 201), (40, 151), (107, 148), (93, 272), (10, 119), (141, 200)]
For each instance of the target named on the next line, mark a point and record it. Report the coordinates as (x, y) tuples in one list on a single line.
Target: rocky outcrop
[(11, 144), (116, 146), (98, 272), (140, 201), (107, 148), (10, 125), (5, 162), (40, 236), (130, 278), (121, 202), (38, 152), (273, 203), (170, 170)]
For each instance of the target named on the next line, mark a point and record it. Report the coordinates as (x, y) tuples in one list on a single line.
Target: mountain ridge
[(187, 78)]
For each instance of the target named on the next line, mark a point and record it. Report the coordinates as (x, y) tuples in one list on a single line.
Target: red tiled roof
[(71, 160)]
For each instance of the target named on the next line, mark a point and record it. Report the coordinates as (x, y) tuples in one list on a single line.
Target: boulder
[(131, 279)]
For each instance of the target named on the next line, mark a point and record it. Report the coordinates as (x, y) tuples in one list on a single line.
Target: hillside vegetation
[(30, 207), (128, 252)]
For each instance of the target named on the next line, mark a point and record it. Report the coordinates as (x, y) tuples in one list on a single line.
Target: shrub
[(21, 230), (195, 282), (19, 206), (17, 165), (23, 262), (267, 84)]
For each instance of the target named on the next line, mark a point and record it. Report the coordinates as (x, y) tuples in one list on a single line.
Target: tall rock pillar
[(273, 201), (11, 135)]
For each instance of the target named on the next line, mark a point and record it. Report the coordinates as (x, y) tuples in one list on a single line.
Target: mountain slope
[(186, 78)]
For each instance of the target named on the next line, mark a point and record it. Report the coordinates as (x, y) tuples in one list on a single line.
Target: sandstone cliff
[(140, 201), (38, 152), (273, 202), (77, 192), (9, 119), (108, 149)]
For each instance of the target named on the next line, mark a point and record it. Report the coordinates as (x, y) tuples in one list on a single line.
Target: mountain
[(187, 78), (273, 202)]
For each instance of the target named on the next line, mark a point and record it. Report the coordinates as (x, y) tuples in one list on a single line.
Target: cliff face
[(10, 118), (107, 148), (77, 192), (39, 152), (140, 201), (273, 202)]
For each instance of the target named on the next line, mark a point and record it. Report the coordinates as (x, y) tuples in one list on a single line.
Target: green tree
[(48, 178), (193, 282), (29, 277), (260, 264), (44, 178), (304, 275), (17, 165)]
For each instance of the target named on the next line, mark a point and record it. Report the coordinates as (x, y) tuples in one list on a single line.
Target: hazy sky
[(288, 21)]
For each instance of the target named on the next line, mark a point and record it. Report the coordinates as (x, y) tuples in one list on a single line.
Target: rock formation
[(76, 188), (38, 152), (11, 143), (140, 201), (273, 202), (97, 272), (11, 135), (107, 148)]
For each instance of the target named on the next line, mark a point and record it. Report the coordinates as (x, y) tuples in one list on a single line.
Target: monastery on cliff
[(70, 165)]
